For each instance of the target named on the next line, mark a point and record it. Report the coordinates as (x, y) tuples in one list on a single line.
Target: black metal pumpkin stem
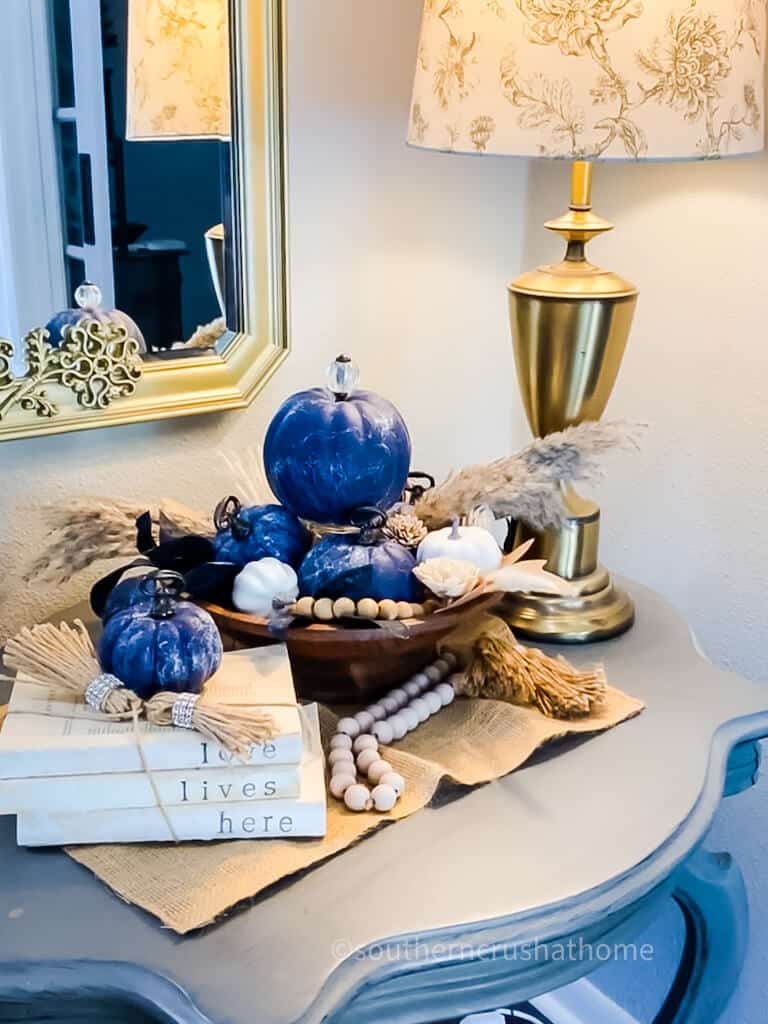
[(415, 490), (370, 521), (227, 516), (164, 588)]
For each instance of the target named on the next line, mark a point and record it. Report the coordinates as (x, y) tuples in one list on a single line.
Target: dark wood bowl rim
[(326, 632)]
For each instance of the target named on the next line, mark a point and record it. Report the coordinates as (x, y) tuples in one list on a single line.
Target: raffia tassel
[(63, 657), (235, 726), (499, 668)]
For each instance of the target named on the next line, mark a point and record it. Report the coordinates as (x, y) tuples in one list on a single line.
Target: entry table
[(464, 907)]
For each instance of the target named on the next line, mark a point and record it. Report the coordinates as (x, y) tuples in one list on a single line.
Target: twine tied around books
[(64, 657)]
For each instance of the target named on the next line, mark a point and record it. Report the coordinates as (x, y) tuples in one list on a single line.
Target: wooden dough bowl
[(351, 664)]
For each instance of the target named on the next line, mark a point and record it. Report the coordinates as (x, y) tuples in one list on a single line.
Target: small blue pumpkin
[(331, 450), (265, 531), (126, 594), (358, 566), (161, 644), (88, 299)]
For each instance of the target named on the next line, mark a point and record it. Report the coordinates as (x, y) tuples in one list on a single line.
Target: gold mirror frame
[(230, 380)]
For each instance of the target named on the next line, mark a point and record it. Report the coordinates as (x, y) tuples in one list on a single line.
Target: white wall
[(402, 258)]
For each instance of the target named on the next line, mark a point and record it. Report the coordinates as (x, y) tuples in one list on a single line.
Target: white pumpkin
[(494, 1017), (261, 584), (464, 544)]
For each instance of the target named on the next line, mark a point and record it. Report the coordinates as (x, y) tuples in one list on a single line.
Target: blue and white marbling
[(178, 653), (326, 456), (127, 594), (58, 324), (274, 532), (340, 566)]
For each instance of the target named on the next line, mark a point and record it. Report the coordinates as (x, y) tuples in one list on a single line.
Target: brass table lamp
[(584, 80)]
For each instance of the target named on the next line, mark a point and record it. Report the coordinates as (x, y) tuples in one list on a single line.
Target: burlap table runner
[(470, 742)]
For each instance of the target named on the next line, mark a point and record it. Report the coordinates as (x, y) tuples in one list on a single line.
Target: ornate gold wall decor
[(598, 78), (97, 363)]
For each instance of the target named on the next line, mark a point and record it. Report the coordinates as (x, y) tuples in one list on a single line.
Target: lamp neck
[(581, 186), (579, 225)]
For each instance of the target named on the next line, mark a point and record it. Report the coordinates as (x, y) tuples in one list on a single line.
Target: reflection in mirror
[(141, 113), (124, 186)]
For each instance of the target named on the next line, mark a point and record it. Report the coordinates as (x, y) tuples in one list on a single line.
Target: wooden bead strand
[(325, 610), (354, 750)]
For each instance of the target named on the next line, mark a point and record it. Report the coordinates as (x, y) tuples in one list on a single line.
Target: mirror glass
[(140, 118)]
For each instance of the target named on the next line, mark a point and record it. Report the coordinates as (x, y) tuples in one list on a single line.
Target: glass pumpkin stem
[(88, 295), (343, 377)]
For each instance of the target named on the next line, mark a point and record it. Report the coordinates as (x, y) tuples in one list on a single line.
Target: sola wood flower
[(515, 575), (406, 528), (448, 577)]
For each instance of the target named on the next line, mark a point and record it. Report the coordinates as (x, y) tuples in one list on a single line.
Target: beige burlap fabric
[(472, 741)]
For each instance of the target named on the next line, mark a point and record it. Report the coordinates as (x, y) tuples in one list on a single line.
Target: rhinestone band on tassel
[(97, 692), (183, 709), (355, 747)]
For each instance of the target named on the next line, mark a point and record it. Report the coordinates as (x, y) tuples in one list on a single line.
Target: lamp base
[(599, 611)]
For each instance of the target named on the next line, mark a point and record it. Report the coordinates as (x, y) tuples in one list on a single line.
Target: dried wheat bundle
[(83, 531), (247, 478), (524, 486), (88, 530), (178, 520)]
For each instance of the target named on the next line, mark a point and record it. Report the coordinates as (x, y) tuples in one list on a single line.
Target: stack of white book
[(73, 776)]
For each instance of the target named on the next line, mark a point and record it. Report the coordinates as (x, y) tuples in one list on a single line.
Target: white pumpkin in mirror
[(265, 585), (463, 543)]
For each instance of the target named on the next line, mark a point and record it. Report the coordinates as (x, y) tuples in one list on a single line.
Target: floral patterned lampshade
[(178, 70), (590, 79)]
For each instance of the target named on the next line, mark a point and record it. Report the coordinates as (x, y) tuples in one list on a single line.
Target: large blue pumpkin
[(327, 452), (250, 534), (164, 645), (343, 565)]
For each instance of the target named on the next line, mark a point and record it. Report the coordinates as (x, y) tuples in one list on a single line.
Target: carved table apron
[(455, 910)]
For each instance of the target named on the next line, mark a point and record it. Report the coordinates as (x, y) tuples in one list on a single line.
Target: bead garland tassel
[(354, 750)]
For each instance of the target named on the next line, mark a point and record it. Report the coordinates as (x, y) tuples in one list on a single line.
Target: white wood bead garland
[(354, 750), (325, 610)]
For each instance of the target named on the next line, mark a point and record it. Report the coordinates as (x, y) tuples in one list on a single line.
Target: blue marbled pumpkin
[(178, 651), (342, 566), (126, 594), (58, 324), (327, 454), (250, 534)]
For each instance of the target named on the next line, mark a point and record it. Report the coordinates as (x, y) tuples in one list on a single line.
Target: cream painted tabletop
[(427, 920)]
